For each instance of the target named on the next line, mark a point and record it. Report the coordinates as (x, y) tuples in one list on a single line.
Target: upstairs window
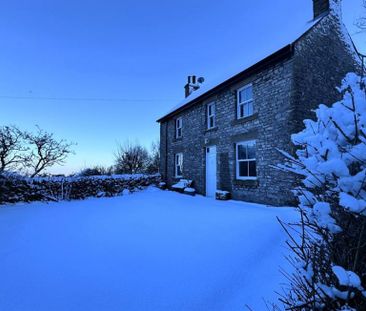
[(246, 164), (179, 165), (245, 101), (211, 115), (178, 128)]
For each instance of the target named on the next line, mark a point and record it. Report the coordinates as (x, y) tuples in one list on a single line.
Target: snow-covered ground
[(152, 250)]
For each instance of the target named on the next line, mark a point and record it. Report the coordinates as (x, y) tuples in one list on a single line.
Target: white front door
[(211, 168)]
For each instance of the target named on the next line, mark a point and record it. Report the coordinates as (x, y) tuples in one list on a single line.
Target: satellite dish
[(201, 80)]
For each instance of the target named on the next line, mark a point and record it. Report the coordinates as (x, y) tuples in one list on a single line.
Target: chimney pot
[(192, 85)]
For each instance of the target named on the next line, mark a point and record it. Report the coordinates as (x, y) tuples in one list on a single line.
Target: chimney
[(320, 7), (193, 84)]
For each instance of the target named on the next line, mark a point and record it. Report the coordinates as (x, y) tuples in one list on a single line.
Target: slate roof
[(209, 89)]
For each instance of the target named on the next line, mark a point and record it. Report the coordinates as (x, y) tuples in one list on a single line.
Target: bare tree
[(46, 151), (12, 148), (154, 161), (361, 21), (131, 158)]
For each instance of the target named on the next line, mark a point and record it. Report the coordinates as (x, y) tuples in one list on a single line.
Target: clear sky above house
[(101, 72)]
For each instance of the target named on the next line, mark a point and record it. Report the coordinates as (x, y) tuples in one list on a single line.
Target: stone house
[(226, 136)]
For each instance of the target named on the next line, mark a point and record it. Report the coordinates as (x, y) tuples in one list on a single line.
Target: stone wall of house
[(323, 57), (269, 126), (284, 95)]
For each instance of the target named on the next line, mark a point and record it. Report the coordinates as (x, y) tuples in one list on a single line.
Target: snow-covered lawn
[(152, 250)]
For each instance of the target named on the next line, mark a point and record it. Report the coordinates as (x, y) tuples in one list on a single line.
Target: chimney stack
[(193, 84), (320, 7)]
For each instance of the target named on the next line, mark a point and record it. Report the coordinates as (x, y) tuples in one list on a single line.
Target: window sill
[(178, 139), (245, 119), (247, 182), (213, 129)]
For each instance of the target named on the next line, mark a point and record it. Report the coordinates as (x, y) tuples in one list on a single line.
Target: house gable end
[(322, 57)]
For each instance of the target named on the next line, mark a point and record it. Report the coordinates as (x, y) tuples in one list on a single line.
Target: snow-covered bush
[(15, 188), (329, 243)]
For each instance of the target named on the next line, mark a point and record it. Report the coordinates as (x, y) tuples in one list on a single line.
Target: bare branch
[(46, 151), (131, 158), (12, 148)]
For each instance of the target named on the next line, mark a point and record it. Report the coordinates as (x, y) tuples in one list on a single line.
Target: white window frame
[(178, 162), (212, 116), (245, 143), (245, 102), (179, 127)]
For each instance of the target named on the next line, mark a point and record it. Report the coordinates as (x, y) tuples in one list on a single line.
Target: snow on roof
[(210, 85)]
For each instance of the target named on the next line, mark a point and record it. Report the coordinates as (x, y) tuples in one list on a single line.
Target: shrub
[(14, 188), (330, 248), (96, 171)]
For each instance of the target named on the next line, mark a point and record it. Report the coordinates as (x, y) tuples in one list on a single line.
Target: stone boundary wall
[(15, 189)]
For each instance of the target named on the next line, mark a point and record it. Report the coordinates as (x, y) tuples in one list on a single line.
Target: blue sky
[(101, 72)]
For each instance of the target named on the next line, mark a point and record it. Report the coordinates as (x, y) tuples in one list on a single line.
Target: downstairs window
[(246, 163)]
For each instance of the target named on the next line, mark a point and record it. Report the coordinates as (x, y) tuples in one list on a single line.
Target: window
[(211, 115), (245, 101), (246, 167), (178, 128), (179, 165)]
